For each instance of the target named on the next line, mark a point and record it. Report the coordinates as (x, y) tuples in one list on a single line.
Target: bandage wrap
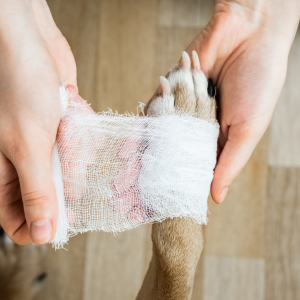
[(114, 172)]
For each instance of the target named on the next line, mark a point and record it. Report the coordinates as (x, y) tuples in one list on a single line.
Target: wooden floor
[(252, 241)]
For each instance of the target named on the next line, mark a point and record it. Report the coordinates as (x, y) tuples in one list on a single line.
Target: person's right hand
[(34, 57), (244, 50)]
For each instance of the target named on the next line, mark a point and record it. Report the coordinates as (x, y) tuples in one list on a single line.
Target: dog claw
[(185, 61)]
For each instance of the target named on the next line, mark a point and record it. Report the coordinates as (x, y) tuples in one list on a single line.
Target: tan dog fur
[(177, 243)]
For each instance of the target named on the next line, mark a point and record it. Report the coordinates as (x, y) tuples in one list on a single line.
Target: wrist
[(24, 23), (35, 13), (281, 8), (277, 17)]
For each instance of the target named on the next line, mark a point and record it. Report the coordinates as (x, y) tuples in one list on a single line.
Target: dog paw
[(185, 88)]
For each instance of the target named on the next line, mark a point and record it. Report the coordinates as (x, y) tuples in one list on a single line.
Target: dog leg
[(177, 243)]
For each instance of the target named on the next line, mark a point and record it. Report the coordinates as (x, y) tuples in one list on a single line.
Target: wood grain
[(282, 234), (236, 227), (184, 14), (115, 265), (233, 278), (125, 54), (121, 48), (147, 247), (79, 23), (199, 277), (169, 44), (285, 127), (65, 271)]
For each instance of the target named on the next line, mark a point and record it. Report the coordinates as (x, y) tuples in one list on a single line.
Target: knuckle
[(37, 198), (8, 232), (19, 240), (4, 191), (15, 149), (9, 188), (14, 230), (11, 235)]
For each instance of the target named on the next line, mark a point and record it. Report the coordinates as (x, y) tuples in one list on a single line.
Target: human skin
[(244, 49), (33, 57)]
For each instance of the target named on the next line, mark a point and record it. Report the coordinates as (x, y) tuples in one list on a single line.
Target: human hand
[(33, 57), (244, 50)]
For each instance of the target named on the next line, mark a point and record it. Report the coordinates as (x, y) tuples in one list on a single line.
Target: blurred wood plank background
[(252, 245)]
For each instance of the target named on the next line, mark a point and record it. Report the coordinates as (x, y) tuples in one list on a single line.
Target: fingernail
[(41, 231), (71, 89), (223, 195)]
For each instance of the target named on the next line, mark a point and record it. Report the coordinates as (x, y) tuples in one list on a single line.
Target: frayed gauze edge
[(176, 169)]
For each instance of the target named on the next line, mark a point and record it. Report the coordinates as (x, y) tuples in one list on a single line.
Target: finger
[(69, 141), (38, 195), (124, 202), (137, 214), (233, 158), (132, 142), (71, 215), (129, 146), (12, 216), (127, 177), (74, 97)]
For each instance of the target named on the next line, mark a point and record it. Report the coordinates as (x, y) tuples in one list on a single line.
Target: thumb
[(233, 158), (38, 195)]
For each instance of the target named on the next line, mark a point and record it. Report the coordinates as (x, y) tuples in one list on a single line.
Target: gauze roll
[(114, 172)]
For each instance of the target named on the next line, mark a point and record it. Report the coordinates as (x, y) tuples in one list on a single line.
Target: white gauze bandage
[(114, 172)]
